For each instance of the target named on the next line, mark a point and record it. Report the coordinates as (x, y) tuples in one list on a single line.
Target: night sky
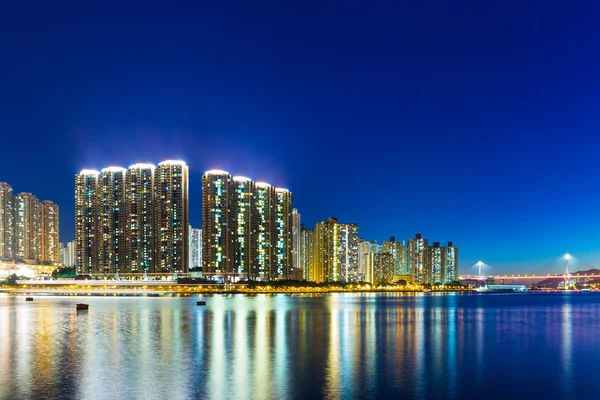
[(467, 122)]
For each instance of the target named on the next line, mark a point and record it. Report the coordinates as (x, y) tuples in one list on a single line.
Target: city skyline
[(465, 269), (487, 139)]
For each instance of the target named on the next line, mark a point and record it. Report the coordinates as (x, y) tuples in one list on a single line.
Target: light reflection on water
[(312, 346)]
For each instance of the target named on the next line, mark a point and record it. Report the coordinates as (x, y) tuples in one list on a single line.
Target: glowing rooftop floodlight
[(281, 190), (173, 162), (216, 172), (113, 169), (262, 185), (241, 179), (89, 172), (142, 166)]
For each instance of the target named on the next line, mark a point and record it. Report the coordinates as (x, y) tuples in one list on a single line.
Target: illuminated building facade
[(283, 235), (247, 228), (399, 251), (171, 216), (243, 223), (383, 268), (364, 266), (6, 221), (27, 226), (307, 244), (414, 262), (264, 212), (297, 269), (195, 247), (450, 263), (348, 255), (336, 254), (67, 254), (218, 228), (86, 222), (132, 221), (418, 259), (436, 262), (50, 245), (326, 251), (111, 221), (139, 211)]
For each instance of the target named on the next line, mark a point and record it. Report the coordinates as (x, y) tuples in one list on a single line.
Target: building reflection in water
[(567, 350), (301, 346)]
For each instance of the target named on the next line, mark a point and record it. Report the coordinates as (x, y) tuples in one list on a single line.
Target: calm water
[(277, 347)]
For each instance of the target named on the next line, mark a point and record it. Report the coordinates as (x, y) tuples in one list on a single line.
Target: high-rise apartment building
[(450, 263), (67, 254), (283, 238), (265, 229), (436, 262), (384, 266), (364, 250), (195, 247), (325, 259), (244, 230), (86, 222), (139, 211), (50, 245), (111, 220), (336, 252), (348, 255), (171, 196), (218, 224), (399, 252), (418, 259), (27, 226), (307, 253), (297, 271), (6, 221)]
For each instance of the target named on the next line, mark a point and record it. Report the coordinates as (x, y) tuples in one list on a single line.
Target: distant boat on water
[(501, 288)]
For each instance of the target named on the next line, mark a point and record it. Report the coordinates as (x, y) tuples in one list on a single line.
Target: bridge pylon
[(567, 274)]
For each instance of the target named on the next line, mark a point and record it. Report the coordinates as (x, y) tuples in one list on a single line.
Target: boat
[(28, 298), (201, 303), (585, 289), (82, 306), (501, 288)]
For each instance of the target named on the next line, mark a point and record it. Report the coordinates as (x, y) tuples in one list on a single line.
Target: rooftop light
[(172, 162), (113, 169), (216, 172), (142, 166), (89, 172)]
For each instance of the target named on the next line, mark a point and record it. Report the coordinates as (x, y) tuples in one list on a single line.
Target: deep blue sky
[(465, 121)]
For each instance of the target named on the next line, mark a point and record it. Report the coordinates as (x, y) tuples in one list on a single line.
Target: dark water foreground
[(460, 346)]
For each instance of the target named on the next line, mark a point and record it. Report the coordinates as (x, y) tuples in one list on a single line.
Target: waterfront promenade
[(101, 287)]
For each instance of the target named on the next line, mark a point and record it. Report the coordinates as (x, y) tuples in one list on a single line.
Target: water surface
[(454, 346)]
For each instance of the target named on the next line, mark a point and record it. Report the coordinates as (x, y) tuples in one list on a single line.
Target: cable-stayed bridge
[(482, 271)]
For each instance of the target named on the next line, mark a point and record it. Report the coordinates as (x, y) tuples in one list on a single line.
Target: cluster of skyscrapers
[(251, 230), (132, 220), (333, 252), (29, 229), (246, 229), (135, 221)]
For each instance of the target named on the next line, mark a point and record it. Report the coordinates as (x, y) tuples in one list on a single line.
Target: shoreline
[(190, 291)]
